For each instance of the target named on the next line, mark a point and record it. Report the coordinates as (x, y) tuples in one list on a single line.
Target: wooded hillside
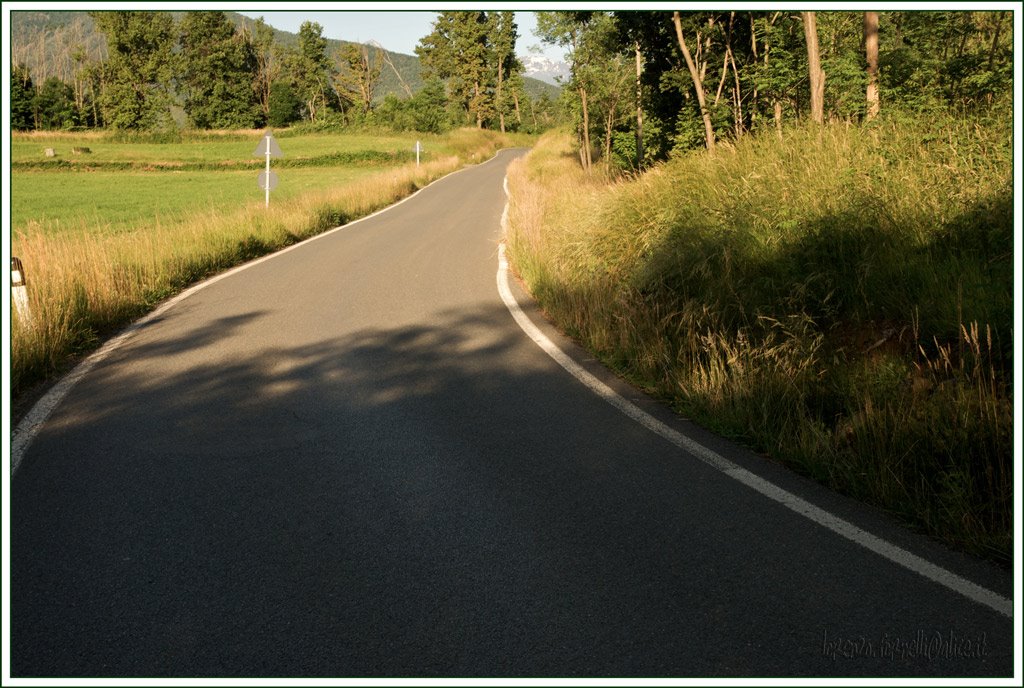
[(61, 62)]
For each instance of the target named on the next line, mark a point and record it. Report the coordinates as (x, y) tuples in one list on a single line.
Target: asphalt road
[(350, 461)]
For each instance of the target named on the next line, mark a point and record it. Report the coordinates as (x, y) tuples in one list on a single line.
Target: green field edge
[(79, 164)]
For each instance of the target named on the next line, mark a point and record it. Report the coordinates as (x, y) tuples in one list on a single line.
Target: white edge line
[(796, 504), (22, 436)]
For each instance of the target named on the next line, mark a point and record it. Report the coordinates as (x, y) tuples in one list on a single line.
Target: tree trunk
[(738, 96), (725, 62), (585, 156), (871, 51), (721, 82), (608, 123), (498, 98), (817, 76), (995, 40), (366, 82), (387, 60), (639, 111), (778, 117), (479, 114), (753, 48), (698, 84)]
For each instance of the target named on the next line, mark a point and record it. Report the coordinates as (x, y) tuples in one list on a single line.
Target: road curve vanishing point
[(347, 460)]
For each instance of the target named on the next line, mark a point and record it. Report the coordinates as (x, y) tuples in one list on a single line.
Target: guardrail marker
[(19, 292)]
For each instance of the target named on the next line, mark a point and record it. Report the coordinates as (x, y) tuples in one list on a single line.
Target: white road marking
[(28, 428), (837, 525)]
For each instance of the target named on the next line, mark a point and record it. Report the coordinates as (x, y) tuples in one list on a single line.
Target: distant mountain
[(46, 41), (544, 69)]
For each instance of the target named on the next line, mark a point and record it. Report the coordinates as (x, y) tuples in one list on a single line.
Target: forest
[(644, 84)]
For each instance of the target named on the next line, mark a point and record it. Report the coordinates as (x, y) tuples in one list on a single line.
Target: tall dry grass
[(841, 300)]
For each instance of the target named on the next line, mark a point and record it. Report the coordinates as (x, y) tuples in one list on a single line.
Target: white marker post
[(417, 154), (267, 184), (19, 293), (267, 180)]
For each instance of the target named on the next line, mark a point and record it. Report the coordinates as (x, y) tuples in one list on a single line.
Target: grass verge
[(841, 300)]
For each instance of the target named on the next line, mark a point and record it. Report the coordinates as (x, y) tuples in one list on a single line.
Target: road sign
[(268, 146), (261, 181)]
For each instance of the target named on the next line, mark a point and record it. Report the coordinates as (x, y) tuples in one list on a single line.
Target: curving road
[(349, 460)]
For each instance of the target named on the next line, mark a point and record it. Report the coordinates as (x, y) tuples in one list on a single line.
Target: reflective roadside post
[(267, 180), (19, 293)]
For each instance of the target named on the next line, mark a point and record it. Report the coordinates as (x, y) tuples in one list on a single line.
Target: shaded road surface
[(348, 460)]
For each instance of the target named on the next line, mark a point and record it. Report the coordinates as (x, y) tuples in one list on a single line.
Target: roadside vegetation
[(143, 231), (797, 228), (840, 298)]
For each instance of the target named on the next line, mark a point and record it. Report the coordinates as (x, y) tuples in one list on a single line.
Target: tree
[(456, 51), (55, 105), (516, 88), (776, 70), (268, 63), (503, 37), (660, 95), (608, 71), (312, 71), (139, 68), (566, 29), (22, 97), (871, 52), (428, 108), (358, 74), (698, 83), (814, 70), (218, 66), (639, 107)]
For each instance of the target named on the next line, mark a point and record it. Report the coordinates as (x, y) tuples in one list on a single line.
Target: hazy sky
[(397, 30)]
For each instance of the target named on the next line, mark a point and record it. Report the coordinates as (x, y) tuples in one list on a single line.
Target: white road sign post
[(267, 180), (19, 293), (417, 154)]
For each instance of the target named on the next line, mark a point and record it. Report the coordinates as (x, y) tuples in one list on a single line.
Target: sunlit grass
[(841, 300), (125, 201)]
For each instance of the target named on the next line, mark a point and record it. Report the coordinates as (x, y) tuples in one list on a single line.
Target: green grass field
[(126, 186), (124, 201), (214, 148)]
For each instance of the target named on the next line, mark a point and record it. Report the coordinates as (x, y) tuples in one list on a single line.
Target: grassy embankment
[(105, 235), (840, 299)]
